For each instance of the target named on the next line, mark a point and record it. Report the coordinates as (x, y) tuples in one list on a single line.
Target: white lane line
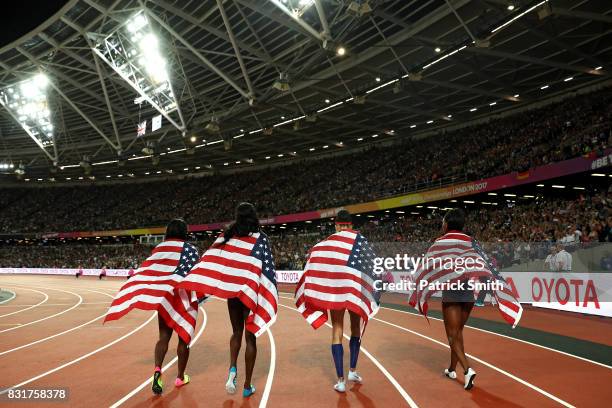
[(9, 299), (58, 334), (164, 368), (53, 315), (511, 338), (386, 373), (83, 357), (46, 297), (266, 393), (499, 370), (268, 387), (67, 304)]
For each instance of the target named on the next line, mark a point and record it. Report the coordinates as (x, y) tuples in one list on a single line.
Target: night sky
[(19, 17)]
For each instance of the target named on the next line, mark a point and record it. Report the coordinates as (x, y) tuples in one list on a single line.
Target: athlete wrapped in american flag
[(454, 259), (239, 267), (339, 276), (154, 287)]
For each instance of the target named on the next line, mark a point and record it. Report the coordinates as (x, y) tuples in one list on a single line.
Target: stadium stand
[(515, 143)]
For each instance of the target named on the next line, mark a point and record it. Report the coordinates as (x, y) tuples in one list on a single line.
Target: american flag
[(142, 128), (154, 287), (339, 274), (444, 252), (242, 267)]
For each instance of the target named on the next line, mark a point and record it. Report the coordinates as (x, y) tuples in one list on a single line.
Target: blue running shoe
[(247, 392)]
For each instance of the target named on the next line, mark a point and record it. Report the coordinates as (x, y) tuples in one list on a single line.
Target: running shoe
[(158, 384), (230, 385), (354, 377), (469, 379), (180, 382), (340, 386), (450, 374), (247, 392)]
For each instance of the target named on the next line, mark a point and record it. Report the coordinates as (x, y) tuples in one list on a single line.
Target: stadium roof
[(408, 67)]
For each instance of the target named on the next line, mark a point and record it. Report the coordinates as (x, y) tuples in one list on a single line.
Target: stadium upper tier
[(516, 143)]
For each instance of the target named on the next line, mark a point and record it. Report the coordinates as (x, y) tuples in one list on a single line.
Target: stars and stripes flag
[(142, 128), (154, 287), (339, 274), (441, 266), (243, 268)]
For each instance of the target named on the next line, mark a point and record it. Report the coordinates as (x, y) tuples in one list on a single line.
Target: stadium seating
[(515, 143)]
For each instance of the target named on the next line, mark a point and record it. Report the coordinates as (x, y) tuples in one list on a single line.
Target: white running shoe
[(340, 386), (354, 377), (230, 385), (469, 379), (450, 374)]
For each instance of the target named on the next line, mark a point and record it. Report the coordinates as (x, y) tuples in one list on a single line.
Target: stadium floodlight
[(135, 52), (282, 83), (27, 103)]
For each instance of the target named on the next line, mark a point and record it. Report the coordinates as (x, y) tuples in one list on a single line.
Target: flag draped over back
[(154, 287), (241, 268), (441, 266), (339, 274)]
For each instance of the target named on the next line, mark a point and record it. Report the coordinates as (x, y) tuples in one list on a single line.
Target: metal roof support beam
[(532, 60), (232, 39), (465, 27), (202, 58), (323, 19), (298, 20), (583, 15), (106, 98), (84, 116)]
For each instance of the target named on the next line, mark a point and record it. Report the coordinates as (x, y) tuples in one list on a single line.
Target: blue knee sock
[(338, 355), (354, 345)]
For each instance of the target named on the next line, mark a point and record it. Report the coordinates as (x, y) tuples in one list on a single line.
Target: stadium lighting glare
[(473, 109), (598, 175), (578, 188), (193, 139), (539, 185), (509, 195), (599, 68), (374, 136), (438, 49), (377, 79), (359, 139), (312, 149), (27, 103), (557, 186), (413, 126), (429, 122), (544, 87), (138, 55), (340, 51), (267, 157), (510, 7), (568, 79), (493, 104), (468, 202), (327, 100), (326, 146)]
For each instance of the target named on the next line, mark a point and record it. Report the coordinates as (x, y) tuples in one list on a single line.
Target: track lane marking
[(46, 297), (83, 357), (164, 368), (499, 370), (510, 338), (9, 299), (57, 334), (53, 315), (271, 369), (386, 373)]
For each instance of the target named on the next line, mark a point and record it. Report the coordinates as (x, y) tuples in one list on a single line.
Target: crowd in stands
[(513, 231), (512, 144)]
